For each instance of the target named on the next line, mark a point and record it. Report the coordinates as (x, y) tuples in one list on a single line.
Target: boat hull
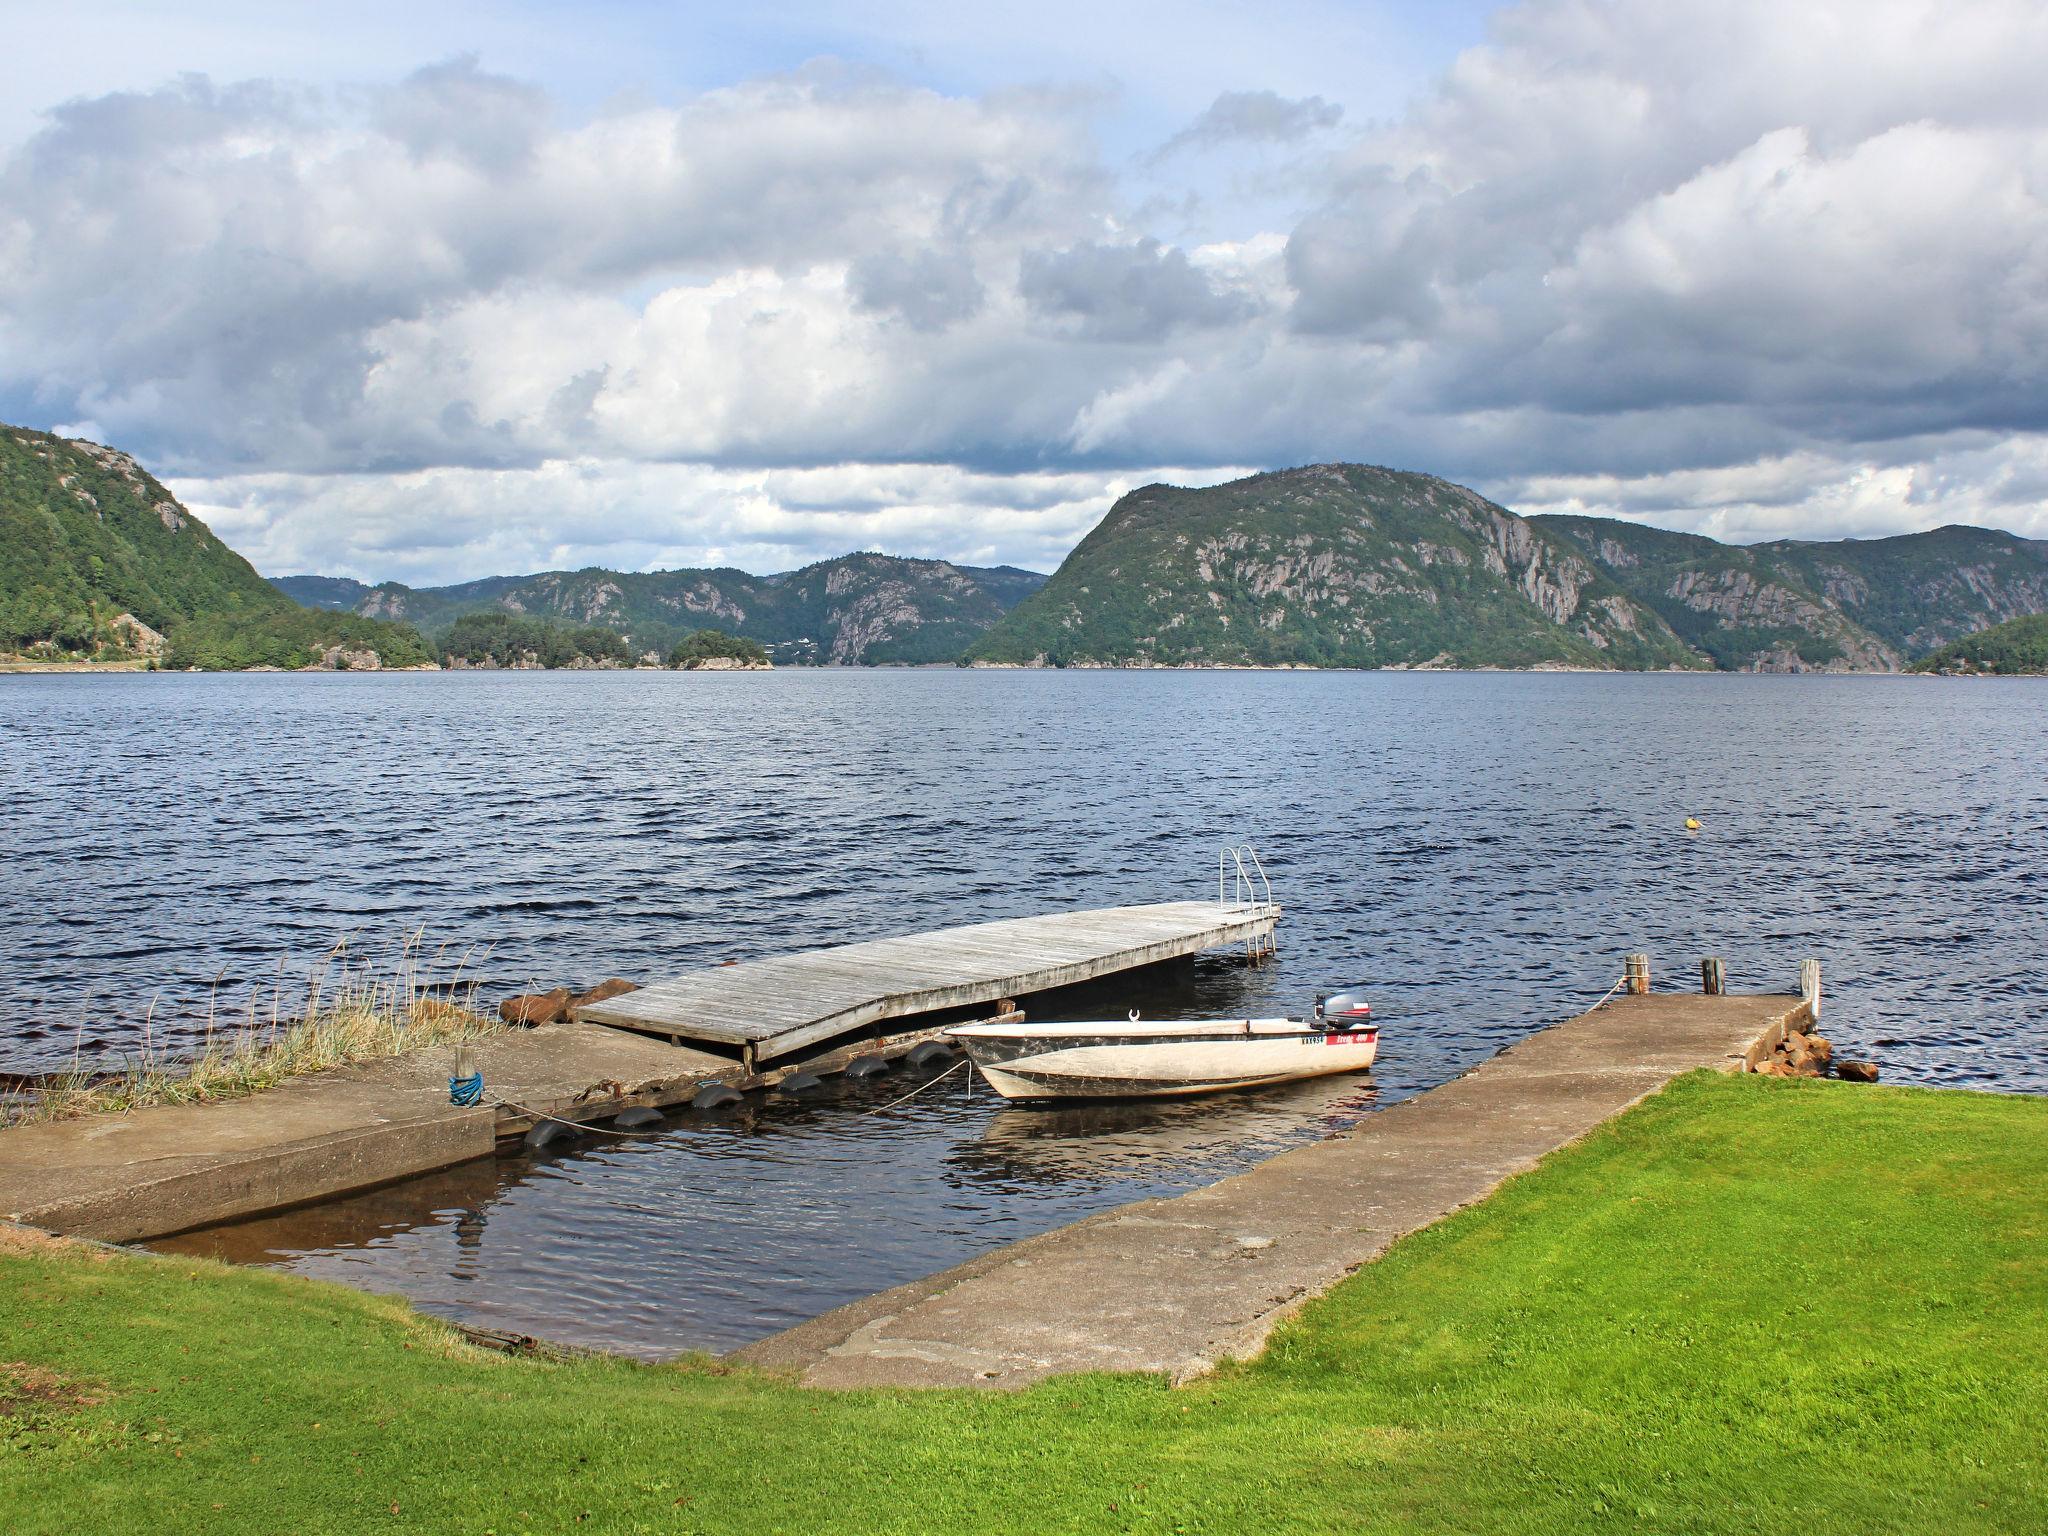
[(1154, 1063)]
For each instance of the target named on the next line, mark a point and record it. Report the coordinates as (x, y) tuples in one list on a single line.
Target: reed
[(353, 1009)]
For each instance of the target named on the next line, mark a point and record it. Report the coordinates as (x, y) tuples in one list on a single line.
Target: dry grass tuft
[(354, 1010)]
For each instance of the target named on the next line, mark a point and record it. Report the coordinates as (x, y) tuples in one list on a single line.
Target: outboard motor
[(1346, 1010)]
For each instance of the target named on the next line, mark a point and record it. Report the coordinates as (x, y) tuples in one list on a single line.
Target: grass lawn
[(1749, 1305)]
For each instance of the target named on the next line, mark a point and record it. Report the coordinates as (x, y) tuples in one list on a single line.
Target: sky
[(433, 292)]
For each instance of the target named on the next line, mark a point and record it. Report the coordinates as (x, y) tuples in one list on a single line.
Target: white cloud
[(1738, 266), (1992, 484), (432, 526)]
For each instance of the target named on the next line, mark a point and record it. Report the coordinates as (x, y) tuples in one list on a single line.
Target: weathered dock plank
[(782, 1004)]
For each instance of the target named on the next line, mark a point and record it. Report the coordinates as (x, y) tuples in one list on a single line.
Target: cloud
[(1729, 265), (1138, 292), (1254, 117), (252, 276), (2001, 484), (434, 526), (928, 289)]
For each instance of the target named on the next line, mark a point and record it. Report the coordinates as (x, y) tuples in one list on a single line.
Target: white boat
[(1151, 1058)]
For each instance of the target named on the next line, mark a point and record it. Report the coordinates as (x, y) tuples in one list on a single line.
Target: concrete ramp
[(1174, 1286)]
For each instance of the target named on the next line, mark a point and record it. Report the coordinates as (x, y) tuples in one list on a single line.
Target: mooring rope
[(920, 1088), (1610, 992), (581, 1125), (598, 1130), (466, 1092)]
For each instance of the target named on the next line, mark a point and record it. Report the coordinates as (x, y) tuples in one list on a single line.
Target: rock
[(1801, 1064), (535, 1007), (1856, 1071), (726, 664), (618, 986), (1772, 1068), (1822, 1049), (136, 636)]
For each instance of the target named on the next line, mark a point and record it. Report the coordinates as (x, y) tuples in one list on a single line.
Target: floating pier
[(123, 1178), (771, 1009)]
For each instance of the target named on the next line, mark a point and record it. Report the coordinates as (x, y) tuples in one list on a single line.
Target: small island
[(713, 650), (2016, 648)]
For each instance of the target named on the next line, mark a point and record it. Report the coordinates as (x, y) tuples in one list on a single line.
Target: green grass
[(1747, 1306)]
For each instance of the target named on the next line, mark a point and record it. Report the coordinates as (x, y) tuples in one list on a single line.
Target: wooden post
[(1713, 975), (465, 1061), (1809, 986), (1637, 970)]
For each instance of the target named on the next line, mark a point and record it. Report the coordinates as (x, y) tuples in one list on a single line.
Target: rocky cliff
[(1331, 565), (1354, 565), (1856, 605), (856, 609)]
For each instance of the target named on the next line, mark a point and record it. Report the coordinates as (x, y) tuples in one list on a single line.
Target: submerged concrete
[(1177, 1285), (124, 1177)]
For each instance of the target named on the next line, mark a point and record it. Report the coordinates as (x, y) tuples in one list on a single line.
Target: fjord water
[(1477, 850)]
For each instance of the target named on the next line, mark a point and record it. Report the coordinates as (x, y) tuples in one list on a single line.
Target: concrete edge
[(791, 1350), (205, 1192), (802, 1343), (1250, 1341)]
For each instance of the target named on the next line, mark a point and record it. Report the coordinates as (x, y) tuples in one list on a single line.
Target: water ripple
[(1479, 850)]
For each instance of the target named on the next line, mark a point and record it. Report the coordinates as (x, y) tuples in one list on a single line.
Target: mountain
[(2016, 648), (98, 560), (1848, 604), (863, 608), (1354, 565), (1332, 565)]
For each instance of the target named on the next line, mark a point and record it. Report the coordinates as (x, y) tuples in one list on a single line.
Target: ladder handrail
[(1253, 883)]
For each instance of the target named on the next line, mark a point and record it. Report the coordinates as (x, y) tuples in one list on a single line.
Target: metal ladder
[(1241, 884)]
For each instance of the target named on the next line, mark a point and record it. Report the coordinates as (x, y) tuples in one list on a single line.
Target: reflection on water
[(728, 1226), (1478, 850), (1116, 1143)]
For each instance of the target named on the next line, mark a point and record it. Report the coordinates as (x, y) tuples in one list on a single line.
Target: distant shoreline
[(87, 668)]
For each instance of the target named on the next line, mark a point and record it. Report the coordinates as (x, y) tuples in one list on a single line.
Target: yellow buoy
[(1692, 823)]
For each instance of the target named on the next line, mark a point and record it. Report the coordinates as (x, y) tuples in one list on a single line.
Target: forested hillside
[(99, 561)]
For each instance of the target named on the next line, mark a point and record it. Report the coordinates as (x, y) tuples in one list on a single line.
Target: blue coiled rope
[(466, 1092)]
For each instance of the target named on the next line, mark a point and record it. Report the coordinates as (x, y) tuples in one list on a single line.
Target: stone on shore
[(536, 1007), (604, 991), (1797, 1055), (1856, 1071)]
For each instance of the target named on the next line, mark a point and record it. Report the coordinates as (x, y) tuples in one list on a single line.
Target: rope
[(581, 1125), (1610, 992), (920, 1088), (597, 1130), (466, 1092)]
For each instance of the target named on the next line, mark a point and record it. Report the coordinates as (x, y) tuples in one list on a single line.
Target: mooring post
[(1809, 987), (465, 1083), (1636, 968), (1713, 975)]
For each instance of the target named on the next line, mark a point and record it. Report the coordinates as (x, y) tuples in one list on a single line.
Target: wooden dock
[(775, 1007)]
